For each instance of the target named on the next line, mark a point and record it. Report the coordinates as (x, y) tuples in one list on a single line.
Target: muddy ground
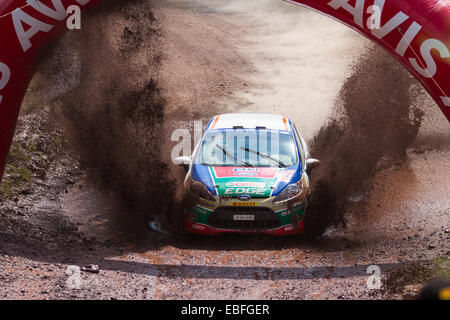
[(258, 56)]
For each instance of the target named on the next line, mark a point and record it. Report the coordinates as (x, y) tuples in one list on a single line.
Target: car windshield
[(247, 148)]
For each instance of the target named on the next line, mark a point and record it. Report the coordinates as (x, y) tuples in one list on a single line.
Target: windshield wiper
[(266, 156), (229, 155)]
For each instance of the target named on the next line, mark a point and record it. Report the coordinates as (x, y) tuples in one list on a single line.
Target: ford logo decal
[(245, 197)]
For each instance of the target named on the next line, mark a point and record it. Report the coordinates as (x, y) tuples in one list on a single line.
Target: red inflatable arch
[(417, 32), (26, 27)]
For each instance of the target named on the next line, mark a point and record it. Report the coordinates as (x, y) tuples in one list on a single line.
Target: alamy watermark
[(74, 280), (73, 21), (374, 280), (374, 21), (228, 146)]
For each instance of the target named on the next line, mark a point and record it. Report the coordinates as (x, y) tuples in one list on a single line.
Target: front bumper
[(199, 228), (269, 218)]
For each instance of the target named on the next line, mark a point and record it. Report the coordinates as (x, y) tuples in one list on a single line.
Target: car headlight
[(290, 191), (199, 190)]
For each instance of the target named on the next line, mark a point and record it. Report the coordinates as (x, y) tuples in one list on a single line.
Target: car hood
[(246, 181)]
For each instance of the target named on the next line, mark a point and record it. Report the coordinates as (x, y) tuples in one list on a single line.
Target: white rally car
[(248, 174)]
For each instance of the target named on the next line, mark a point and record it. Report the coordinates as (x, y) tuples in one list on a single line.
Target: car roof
[(250, 121)]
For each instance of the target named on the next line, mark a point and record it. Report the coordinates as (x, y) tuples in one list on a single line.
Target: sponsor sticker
[(245, 173), (198, 227), (249, 191), (285, 213), (243, 204), (245, 169), (229, 172), (246, 184)]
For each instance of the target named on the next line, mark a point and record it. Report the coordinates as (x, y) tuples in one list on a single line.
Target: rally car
[(248, 174)]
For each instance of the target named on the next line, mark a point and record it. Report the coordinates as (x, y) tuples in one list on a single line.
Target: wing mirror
[(184, 162), (311, 163)]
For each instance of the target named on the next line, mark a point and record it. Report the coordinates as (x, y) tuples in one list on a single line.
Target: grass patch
[(442, 268), (17, 173), (419, 272), (407, 274), (34, 98)]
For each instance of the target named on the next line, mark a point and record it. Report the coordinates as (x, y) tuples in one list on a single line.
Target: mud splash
[(115, 110), (375, 123), (120, 92)]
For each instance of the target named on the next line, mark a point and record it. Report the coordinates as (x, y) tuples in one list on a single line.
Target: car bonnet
[(255, 182)]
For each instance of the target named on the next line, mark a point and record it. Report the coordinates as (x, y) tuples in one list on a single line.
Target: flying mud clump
[(115, 110), (375, 122)]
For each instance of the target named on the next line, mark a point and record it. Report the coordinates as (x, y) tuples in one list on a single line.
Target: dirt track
[(404, 217)]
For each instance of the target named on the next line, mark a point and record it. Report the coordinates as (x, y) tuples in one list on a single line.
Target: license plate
[(244, 217)]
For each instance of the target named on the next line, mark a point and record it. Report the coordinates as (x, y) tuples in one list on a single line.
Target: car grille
[(264, 218)]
